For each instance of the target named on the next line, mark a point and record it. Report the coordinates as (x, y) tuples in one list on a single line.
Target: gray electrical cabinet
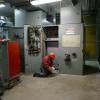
[(71, 48), (32, 62), (67, 43)]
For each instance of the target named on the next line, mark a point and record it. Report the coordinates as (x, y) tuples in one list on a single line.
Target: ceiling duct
[(74, 2)]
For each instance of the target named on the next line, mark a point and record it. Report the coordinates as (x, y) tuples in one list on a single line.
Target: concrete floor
[(60, 87)]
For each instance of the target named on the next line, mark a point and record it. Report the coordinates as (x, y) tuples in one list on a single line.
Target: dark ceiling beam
[(22, 4), (37, 9), (17, 4)]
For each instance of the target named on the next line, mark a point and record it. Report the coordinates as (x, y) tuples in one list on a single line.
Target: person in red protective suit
[(47, 65)]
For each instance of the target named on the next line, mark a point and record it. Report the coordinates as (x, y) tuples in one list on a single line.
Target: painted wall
[(90, 37), (98, 33), (90, 42)]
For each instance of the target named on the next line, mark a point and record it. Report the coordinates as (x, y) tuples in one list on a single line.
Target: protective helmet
[(52, 55)]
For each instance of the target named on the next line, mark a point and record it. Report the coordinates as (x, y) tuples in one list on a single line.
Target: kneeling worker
[(47, 66)]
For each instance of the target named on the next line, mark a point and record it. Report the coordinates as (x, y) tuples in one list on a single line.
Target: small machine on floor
[(9, 63)]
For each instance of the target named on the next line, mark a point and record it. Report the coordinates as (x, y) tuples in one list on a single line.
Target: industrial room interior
[(30, 30)]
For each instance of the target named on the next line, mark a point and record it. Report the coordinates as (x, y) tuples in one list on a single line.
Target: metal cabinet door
[(71, 42)]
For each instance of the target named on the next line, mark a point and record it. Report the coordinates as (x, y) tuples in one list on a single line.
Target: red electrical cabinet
[(14, 58), (10, 64)]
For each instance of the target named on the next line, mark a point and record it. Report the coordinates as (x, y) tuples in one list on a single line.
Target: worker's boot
[(0, 99), (1, 93)]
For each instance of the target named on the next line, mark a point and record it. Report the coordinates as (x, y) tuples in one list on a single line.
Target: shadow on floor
[(90, 70)]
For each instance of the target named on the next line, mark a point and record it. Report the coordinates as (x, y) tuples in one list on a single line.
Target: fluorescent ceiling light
[(39, 2), (2, 5)]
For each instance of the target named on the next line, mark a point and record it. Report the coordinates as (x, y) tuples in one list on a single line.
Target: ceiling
[(6, 11), (88, 6), (24, 4)]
